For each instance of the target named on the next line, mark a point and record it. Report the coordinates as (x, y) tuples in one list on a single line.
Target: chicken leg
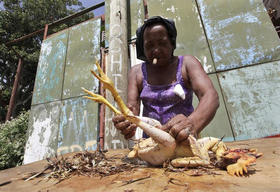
[(158, 135)]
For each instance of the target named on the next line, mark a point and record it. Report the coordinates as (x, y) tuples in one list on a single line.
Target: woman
[(165, 83)]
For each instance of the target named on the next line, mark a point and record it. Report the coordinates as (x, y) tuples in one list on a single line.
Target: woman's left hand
[(180, 127)]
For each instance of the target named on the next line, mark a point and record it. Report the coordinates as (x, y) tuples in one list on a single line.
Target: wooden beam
[(117, 66)]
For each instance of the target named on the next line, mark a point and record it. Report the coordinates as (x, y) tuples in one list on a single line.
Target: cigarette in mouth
[(155, 61)]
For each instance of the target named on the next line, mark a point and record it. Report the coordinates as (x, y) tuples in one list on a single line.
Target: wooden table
[(265, 178)]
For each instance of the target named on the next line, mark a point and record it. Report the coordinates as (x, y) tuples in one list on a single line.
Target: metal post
[(102, 106), (14, 91), (117, 67), (46, 31)]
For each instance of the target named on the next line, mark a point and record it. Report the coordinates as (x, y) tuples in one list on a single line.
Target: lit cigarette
[(155, 61)]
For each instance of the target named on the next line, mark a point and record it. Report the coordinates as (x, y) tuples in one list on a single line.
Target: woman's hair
[(167, 23)]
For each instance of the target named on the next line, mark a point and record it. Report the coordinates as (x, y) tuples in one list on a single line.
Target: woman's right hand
[(127, 128)]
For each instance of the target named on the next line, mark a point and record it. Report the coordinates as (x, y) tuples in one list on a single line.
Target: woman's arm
[(205, 92), (180, 126)]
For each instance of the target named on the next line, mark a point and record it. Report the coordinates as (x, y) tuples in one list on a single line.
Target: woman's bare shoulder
[(136, 68), (136, 74), (190, 59)]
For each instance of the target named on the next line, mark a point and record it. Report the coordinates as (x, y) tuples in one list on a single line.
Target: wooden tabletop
[(266, 176)]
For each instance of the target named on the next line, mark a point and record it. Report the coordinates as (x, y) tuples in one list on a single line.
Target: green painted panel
[(191, 39), (49, 76), (42, 132), (136, 17), (252, 97), (83, 50), (220, 125), (240, 33), (78, 125)]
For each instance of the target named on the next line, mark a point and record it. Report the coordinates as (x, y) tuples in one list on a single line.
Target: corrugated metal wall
[(235, 42)]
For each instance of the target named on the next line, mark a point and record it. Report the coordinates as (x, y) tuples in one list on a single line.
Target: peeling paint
[(73, 125), (252, 97), (240, 36), (172, 9), (49, 77), (78, 123), (191, 39), (43, 128), (81, 56)]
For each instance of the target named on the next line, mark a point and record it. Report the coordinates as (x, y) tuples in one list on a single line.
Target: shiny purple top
[(160, 102)]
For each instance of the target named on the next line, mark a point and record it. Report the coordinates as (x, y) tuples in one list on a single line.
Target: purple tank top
[(160, 102)]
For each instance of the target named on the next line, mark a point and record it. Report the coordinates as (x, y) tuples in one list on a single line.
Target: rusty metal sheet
[(49, 76), (240, 33), (42, 132), (83, 50), (220, 125), (191, 39), (252, 97), (78, 127)]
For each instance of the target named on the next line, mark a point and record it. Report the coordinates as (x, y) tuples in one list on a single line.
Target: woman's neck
[(162, 74)]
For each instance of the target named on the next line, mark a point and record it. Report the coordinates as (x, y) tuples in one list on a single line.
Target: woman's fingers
[(127, 128)]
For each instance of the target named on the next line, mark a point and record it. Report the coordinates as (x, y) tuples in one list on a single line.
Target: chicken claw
[(241, 165), (100, 99)]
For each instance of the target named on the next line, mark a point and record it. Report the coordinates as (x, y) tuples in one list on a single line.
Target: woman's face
[(157, 44)]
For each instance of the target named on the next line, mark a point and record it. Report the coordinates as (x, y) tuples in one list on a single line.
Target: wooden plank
[(116, 69), (265, 178)]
